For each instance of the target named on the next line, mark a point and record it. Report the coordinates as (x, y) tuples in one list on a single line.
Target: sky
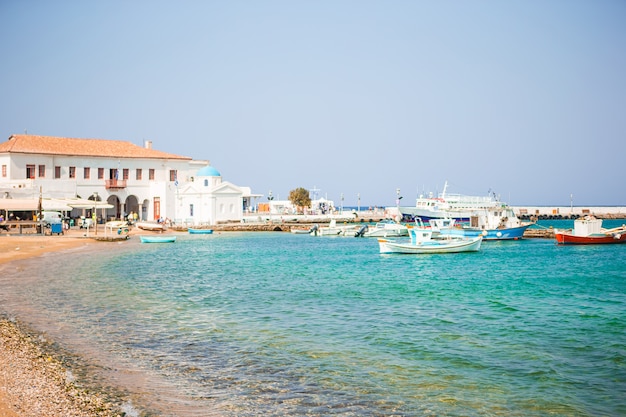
[(369, 100)]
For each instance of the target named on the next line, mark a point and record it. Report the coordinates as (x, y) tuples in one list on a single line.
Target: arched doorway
[(131, 205), (113, 213)]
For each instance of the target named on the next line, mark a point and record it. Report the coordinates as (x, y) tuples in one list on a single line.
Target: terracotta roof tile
[(52, 145)]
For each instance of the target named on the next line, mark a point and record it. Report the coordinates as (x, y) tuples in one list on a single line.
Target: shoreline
[(34, 379)]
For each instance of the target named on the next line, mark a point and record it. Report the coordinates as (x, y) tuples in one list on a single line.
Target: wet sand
[(33, 380)]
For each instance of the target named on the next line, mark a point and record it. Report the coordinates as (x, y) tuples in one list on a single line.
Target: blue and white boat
[(423, 242), (193, 231), (495, 224), (157, 239)]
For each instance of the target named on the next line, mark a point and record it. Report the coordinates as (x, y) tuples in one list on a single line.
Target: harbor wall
[(566, 212)]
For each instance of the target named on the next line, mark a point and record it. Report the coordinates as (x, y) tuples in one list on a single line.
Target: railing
[(115, 184)]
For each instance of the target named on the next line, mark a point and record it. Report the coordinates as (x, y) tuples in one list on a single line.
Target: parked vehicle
[(48, 217)]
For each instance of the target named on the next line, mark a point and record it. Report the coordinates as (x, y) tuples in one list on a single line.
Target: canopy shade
[(53, 204), (19, 204), (80, 203)]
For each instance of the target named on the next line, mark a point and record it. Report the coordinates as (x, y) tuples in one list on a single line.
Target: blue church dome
[(208, 171)]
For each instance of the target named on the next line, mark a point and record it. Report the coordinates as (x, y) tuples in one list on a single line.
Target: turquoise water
[(243, 324)]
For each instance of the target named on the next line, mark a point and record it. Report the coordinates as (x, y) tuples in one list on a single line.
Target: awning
[(83, 203), (53, 204), (19, 204)]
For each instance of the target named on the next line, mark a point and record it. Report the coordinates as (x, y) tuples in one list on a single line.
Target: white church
[(116, 178)]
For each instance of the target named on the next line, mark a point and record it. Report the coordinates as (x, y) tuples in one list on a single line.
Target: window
[(42, 171), (138, 174), (4, 171), (30, 172), (86, 173), (172, 175), (190, 210), (125, 173), (151, 174), (57, 172), (72, 172), (100, 173)]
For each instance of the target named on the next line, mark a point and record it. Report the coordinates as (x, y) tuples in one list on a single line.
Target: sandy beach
[(33, 382)]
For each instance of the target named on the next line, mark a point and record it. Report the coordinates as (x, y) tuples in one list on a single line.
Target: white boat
[(386, 228), (422, 242), (297, 231), (152, 226), (333, 230), (445, 205)]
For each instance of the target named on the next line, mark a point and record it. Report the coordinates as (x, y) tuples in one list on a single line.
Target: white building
[(130, 178)]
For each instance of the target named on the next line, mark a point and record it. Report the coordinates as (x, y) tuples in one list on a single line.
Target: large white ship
[(455, 206)]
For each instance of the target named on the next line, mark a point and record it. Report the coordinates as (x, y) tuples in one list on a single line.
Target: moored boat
[(457, 206), (588, 231), (431, 246), (199, 231), (299, 231), (422, 242), (151, 226), (333, 230), (499, 223), (385, 228), (158, 239)]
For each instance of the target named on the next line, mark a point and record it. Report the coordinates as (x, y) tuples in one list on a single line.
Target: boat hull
[(153, 227), (396, 231), (200, 231), (430, 246), (511, 233), (563, 238), (410, 214), (157, 239)]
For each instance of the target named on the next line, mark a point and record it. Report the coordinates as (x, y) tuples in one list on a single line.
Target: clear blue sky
[(525, 98)]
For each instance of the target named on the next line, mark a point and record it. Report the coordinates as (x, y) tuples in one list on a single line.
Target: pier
[(571, 212)]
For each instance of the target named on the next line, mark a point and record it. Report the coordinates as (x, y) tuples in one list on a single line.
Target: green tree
[(300, 198)]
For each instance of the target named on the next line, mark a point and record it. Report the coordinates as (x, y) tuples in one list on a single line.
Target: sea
[(281, 324)]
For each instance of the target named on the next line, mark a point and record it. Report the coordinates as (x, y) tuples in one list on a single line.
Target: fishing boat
[(151, 226), (432, 246), (422, 242), (199, 231), (444, 205), (499, 223), (588, 231), (333, 230), (158, 239), (299, 231), (385, 228)]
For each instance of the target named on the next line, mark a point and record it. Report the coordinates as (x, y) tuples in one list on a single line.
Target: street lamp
[(358, 199), (398, 198), (341, 203), (270, 197), (94, 215)]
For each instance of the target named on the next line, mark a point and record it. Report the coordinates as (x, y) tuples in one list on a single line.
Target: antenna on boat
[(445, 187)]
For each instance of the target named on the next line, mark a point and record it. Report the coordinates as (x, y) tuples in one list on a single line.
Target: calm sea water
[(247, 324)]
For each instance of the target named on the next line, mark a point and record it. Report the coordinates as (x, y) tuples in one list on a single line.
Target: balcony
[(115, 184)]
